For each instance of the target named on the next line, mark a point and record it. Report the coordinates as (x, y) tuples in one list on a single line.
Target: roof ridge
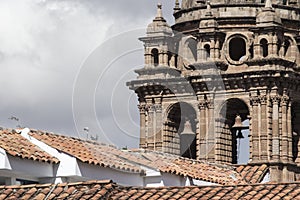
[(91, 182), (72, 137)]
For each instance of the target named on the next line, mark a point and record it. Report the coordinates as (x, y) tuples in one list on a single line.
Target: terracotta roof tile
[(16, 145), (86, 151), (203, 171), (132, 160), (252, 173)]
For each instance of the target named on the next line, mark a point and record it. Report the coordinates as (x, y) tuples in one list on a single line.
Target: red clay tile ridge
[(109, 190), (252, 173), (198, 170), (87, 151), (16, 145)]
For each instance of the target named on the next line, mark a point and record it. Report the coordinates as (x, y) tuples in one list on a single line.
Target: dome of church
[(186, 4), (159, 24)]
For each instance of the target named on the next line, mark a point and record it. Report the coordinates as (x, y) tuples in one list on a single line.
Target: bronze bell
[(238, 127), (187, 137)]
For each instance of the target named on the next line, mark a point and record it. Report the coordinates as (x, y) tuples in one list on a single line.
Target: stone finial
[(208, 6), (177, 5), (208, 9), (268, 4), (159, 11)]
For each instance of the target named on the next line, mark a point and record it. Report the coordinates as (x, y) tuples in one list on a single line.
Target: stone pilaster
[(217, 49), (256, 47), (263, 128), (289, 131), (143, 111), (158, 127), (255, 128), (211, 131), (275, 128), (202, 135), (284, 129)]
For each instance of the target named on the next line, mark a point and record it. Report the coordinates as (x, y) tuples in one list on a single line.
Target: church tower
[(224, 66)]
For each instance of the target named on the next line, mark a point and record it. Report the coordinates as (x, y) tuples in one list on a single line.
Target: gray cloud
[(43, 45)]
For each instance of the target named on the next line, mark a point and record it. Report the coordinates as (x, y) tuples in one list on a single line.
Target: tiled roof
[(87, 190), (109, 190), (253, 173), (86, 151), (215, 173), (16, 145), (256, 191), (223, 175), (132, 160)]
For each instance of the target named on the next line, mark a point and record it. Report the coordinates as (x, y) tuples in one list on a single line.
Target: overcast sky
[(50, 48)]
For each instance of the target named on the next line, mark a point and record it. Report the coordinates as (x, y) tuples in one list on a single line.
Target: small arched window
[(237, 48), (264, 47), (207, 50), (154, 54)]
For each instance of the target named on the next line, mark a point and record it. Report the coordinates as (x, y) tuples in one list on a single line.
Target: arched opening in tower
[(264, 47), (233, 128), (180, 130), (207, 51), (155, 57)]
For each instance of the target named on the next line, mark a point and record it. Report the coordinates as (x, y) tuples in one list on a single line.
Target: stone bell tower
[(222, 59)]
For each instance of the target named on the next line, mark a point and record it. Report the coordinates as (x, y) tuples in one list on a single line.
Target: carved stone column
[(161, 57), (213, 49), (275, 128), (143, 109), (290, 131), (284, 129), (263, 128), (151, 128), (274, 45), (158, 127), (256, 47), (254, 128), (217, 49), (270, 44), (165, 58), (202, 135), (211, 131)]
